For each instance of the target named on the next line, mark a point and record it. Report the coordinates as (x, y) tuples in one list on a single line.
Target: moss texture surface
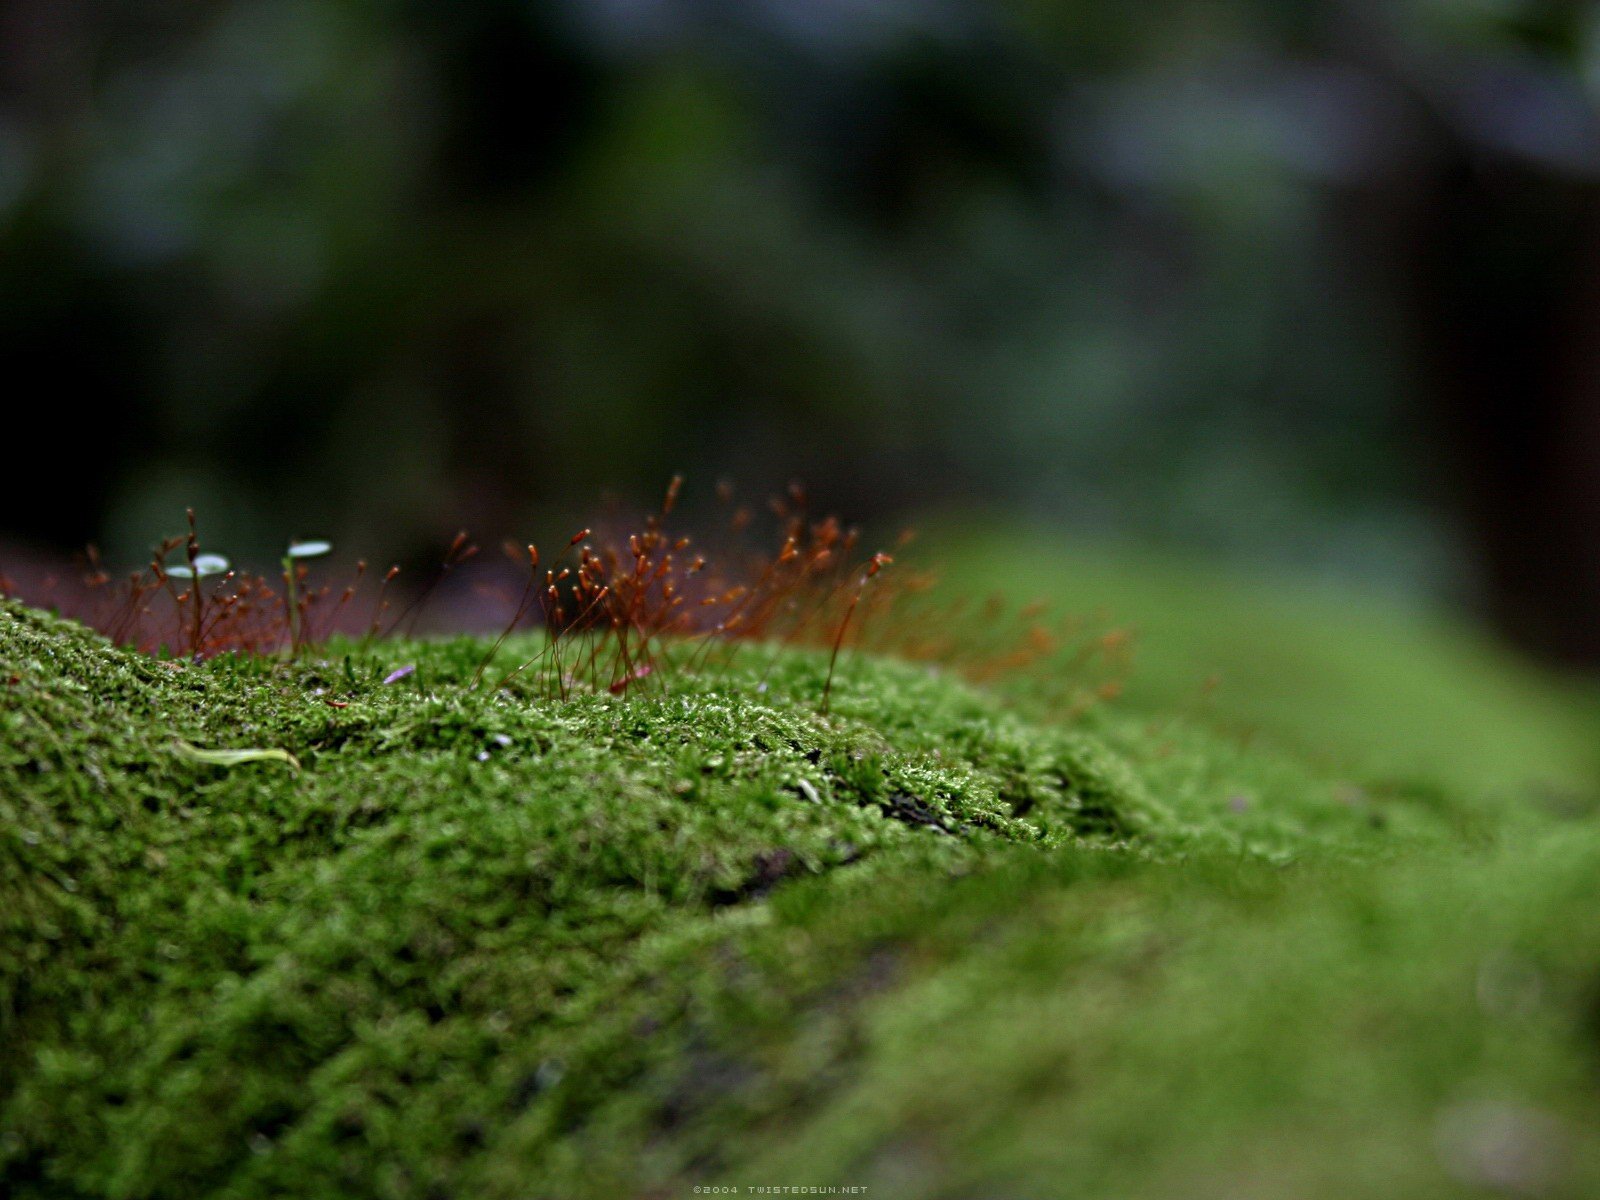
[(481, 943)]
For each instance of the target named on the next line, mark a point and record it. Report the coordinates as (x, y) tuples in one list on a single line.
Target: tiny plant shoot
[(294, 574)]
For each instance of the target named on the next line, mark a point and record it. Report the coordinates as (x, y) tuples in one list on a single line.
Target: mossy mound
[(483, 943)]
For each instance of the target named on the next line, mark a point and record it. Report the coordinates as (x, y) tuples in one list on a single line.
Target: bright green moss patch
[(1338, 675), (484, 943)]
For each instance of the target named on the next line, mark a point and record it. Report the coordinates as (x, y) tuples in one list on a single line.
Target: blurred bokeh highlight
[(1314, 286)]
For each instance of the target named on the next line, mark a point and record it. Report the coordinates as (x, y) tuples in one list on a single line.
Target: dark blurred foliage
[(1305, 281)]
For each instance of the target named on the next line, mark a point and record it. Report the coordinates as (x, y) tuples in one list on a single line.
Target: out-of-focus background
[(1309, 286)]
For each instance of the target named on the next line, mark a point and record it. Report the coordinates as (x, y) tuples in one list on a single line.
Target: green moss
[(488, 944), (1379, 689)]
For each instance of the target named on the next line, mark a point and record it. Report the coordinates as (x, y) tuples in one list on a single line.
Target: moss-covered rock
[(477, 942)]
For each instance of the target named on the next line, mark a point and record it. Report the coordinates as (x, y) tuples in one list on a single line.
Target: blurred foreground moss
[(485, 944)]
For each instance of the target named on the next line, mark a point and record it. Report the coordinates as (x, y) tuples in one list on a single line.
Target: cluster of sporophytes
[(618, 610)]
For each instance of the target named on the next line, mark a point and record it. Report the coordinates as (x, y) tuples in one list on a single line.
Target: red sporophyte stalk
[(528, 593), (877, 563), (192, 549), (380, 605), (460, 551)]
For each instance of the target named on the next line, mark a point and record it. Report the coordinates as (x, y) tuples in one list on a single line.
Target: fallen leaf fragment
[(234, 758)]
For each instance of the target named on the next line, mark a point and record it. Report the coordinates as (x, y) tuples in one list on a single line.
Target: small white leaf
[(309, 549), (210, 564)]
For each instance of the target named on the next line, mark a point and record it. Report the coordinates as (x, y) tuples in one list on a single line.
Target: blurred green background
[(1310, 286)]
